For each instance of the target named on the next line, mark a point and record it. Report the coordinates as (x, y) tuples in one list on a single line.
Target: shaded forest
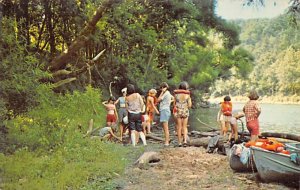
[(144, 43)]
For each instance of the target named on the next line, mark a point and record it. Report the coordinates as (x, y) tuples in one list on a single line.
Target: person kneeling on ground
[(107, 133)]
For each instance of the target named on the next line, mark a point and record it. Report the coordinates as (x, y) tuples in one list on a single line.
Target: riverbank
[(189, 168), (263, 99), (184, 168)]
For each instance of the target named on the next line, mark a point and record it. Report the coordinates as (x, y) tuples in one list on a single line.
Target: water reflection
[(274, 118)]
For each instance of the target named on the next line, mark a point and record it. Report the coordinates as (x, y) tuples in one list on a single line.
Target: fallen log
[(203, 141), (281, 135), (155, 138), (204, 134)]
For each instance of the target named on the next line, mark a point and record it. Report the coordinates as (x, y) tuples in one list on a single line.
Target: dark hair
[(164, 85), (111, 99), (183, 85), (227, 99), (253, 95), (130, 89)]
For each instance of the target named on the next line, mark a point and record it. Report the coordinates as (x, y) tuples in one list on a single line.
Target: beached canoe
[(275, 167)]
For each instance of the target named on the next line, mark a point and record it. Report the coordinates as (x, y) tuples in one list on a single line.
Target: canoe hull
[(275, 167)]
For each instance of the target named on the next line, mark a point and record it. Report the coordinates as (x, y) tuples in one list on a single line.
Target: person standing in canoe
[(252, 111)]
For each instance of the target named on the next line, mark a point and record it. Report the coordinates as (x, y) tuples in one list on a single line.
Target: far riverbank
[(263, 99)]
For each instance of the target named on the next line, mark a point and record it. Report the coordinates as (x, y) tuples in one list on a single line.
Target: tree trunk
[(61, 61), (1, 15)]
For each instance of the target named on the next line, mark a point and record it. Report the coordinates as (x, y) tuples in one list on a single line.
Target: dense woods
[(51, 85), (275, 44)]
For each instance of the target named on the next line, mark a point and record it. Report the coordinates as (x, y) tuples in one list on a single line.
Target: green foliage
[(66, 168), (275, 44), (50, 151), (56, 119), (19, 73)]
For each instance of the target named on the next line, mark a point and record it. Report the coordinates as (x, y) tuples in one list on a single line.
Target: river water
[(273, 118)]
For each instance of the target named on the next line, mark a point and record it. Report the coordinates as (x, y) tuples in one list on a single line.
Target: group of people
[(228, 118), (137, 113)]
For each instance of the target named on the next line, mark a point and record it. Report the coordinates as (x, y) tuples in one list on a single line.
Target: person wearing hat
[(123, 119), (151, 103)]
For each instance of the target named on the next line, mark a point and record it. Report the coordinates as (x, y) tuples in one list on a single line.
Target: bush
[(50, 150)]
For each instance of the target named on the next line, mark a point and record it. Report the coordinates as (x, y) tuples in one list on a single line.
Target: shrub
[(50, 150)]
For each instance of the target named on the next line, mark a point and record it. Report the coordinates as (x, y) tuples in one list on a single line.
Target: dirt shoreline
[(189, 168)]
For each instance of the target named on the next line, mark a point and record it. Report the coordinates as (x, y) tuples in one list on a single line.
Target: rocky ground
[(190, 168), (187, 168)]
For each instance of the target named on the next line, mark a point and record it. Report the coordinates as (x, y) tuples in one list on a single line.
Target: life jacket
[(150, 108), (268, 144), (227, 108), (181, 91)]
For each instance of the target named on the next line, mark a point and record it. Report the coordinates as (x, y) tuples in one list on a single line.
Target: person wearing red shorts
[(252, 111), (112, 115)]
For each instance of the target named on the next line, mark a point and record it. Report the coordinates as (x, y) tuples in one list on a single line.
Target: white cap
[(124, 90)]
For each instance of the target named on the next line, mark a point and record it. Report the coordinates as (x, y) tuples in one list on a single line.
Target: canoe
[(236, 164), (275, 167)]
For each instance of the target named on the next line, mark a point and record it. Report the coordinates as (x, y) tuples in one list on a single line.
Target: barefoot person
[(165, 98), (224, 115), (252, 111), (151, 108), (112, 115), (107, 133), (135, 106), (182, 104), (121, 101)]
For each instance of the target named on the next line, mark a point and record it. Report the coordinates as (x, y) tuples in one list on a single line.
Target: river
[(274, 118)]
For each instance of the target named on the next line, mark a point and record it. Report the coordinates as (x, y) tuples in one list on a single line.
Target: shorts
[(233, 121), (225, 118), (111, 118), (165, 115), (122, 114), (135, 121), (253, 127)]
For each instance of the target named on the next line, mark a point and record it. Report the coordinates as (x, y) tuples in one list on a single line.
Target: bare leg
[(185, 130), (179, 127), (166, 131), (253, 138), (234, 131), (121, 131)]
